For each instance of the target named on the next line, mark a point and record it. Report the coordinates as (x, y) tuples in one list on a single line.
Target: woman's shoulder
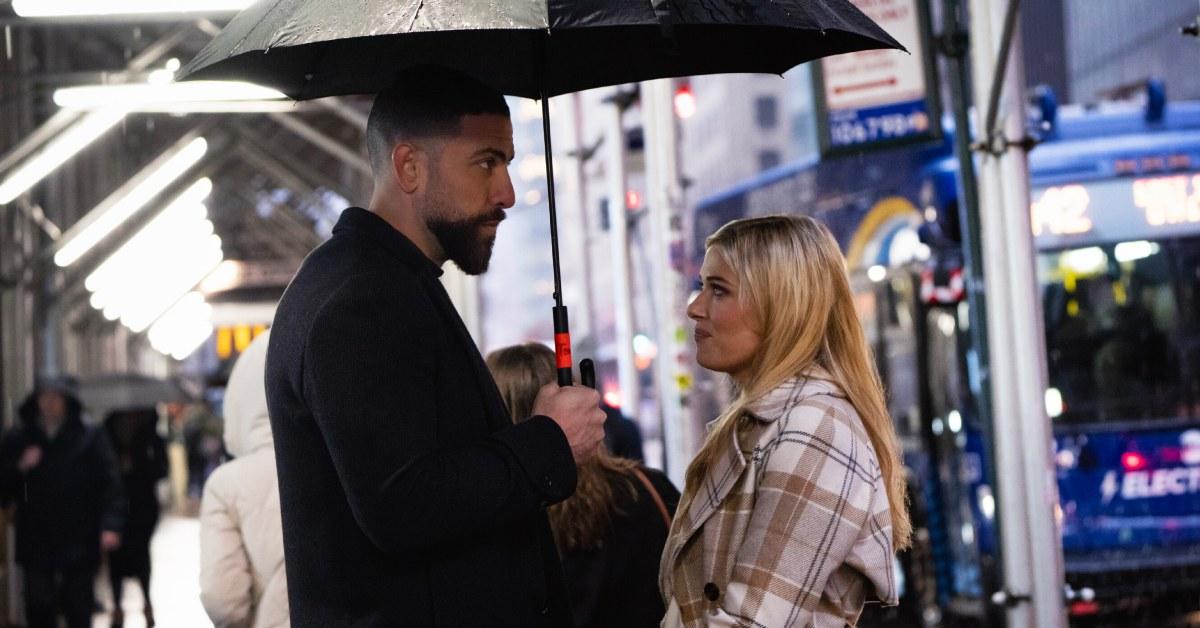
[(820, 417)]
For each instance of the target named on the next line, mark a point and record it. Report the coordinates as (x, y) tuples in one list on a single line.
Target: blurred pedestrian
[(622, 436), (795, 505), (70, 506), (242, 579), (409, 498), (610, 533), (142, 461)]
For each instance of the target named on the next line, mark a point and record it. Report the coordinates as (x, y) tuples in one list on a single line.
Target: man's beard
[(462, 240)]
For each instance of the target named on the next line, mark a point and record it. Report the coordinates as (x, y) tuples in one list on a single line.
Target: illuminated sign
[(1168, 200), (1116, 210), (1061, 210)]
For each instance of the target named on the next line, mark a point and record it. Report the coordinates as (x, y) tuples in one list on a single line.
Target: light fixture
[(1134, 251), (183, 328), (221, 106), (77, 243), (61, 148), (1054, 403), (135, 285), (954, 421), (877, 273), (1085, 261), (84, 8), (685, 102), (142, 96)]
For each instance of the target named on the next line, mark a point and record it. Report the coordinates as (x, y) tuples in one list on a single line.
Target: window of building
[(766, 112)]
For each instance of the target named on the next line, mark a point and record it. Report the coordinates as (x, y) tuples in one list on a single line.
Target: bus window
[(1121, 331)]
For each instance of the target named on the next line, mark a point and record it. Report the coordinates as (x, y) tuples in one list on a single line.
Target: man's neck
[(408, 223)]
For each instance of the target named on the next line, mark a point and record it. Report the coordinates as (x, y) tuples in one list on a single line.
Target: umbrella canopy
[(129, 390), (531, 48)]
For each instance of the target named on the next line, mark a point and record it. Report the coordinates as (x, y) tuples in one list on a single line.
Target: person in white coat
[(242, 578)]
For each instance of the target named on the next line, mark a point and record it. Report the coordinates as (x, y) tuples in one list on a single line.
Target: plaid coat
[(791, 525)]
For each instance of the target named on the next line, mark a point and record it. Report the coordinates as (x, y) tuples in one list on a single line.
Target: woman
[(610, 533), (795, 506), (142, 461), (242, 579)]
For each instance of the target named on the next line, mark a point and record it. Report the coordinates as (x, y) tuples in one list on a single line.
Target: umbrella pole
[(562, 328)]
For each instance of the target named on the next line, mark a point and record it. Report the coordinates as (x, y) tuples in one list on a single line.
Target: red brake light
[(1084, 608)]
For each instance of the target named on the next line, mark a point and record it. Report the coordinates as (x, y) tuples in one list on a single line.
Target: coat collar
[(776, 402), (367, 223)]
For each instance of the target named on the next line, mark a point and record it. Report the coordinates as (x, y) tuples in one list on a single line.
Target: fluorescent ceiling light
[(79, 244), (228, 106), (58, 150), (72, 8), (159, 264), (183, 328), (139, 96)]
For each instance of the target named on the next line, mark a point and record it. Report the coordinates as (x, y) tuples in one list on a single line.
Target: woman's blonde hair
[(792, 279), (582, 520)]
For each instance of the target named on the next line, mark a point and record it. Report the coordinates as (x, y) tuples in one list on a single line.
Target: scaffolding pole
[(1025, 478)]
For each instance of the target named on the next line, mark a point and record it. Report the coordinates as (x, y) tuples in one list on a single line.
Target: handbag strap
[(662, 507)]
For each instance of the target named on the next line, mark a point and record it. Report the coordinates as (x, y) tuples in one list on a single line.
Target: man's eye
[(487, 164)]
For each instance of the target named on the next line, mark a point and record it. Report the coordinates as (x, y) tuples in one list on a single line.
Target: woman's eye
[(718, 291)]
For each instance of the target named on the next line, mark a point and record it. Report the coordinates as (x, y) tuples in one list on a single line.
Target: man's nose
[(503, 194)]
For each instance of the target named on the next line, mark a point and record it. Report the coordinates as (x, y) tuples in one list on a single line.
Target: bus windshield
[(1122, 331)]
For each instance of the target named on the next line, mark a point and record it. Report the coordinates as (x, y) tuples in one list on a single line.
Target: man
[(408, 496), (63, 477)]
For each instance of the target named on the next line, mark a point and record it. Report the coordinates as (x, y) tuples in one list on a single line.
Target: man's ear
[(408, 166)]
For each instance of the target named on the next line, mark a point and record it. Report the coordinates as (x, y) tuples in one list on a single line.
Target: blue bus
[(1115, 215)]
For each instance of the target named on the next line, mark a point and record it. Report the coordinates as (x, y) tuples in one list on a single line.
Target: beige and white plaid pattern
[(791, 527)]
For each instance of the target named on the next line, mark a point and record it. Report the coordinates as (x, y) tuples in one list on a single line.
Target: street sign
[(880, 97)]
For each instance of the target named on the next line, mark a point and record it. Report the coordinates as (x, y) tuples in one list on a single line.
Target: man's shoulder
[(340, 269)]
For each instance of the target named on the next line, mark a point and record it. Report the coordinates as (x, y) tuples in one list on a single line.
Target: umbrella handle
[(587, 373), (562, 345)]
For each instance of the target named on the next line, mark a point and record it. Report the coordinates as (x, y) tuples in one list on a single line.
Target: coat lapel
[(722, 477), (497, 415)]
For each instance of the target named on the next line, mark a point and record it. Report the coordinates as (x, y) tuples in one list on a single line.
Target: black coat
[(408, 497), (616, 586), (68, 498), (142, 462)]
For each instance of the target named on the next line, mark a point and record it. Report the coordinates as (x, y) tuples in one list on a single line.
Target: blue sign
[(850, 127)]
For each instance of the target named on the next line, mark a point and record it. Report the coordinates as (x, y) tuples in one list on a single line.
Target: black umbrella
[(531, 48)]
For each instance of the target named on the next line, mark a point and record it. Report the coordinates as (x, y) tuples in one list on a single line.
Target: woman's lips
[(701, 335)]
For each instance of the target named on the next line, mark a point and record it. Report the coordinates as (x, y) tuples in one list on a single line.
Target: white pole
[(1031, 541), (663, 196), (614, 172)]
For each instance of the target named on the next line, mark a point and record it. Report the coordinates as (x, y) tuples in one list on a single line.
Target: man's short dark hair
[(426, 101)]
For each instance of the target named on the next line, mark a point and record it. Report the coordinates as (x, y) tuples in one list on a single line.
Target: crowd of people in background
[(85, 496)]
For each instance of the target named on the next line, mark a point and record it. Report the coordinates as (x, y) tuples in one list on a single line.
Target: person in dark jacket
[(70, 506), (621, 435), (142, 461), (611, 532), (408, 497)]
